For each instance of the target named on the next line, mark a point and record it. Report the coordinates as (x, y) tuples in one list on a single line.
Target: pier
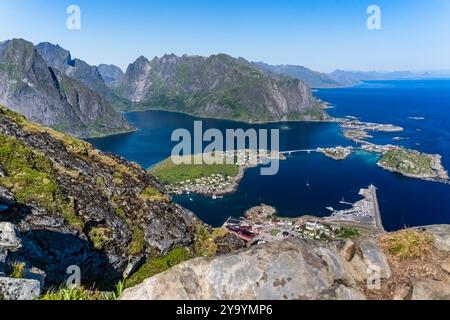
[(365, 212), (376, 209), (289, 152)]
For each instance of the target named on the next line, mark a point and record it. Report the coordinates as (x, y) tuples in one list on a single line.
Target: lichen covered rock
[(74, 205)]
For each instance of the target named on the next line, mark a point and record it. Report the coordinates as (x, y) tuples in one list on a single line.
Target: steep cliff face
[(111, 74), (74, 205), (49, 97), (218, 86), (411, 264), (60, 59)]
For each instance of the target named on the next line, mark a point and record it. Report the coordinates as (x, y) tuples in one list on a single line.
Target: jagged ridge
[(49, 97), (218, 86)]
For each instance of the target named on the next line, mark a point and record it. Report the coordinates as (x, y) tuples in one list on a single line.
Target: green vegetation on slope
[(204, 246), (408, 244), (408, 162), (172, 174), (80, 294), (153, 195), (347, 233), (158, 265), (100, 237), (138, 241), (30, 178), (205, 240)]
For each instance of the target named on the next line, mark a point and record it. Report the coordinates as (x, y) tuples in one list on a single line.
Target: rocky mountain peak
[(55, 56), (217, 86), (111, 74), (49, 96)]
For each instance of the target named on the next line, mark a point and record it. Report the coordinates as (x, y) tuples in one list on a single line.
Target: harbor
[(365, 213), (261, 224)]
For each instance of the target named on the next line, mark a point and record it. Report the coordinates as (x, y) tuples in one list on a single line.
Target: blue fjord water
[(403, 201)]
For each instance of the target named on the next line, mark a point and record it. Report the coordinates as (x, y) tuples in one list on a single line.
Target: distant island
[(410, 163)]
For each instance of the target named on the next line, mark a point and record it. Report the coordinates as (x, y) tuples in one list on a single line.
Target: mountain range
[(49, 95), (342, 78), (49, 86), (60, 59), (111, 74), (313, 78), (218, 86)]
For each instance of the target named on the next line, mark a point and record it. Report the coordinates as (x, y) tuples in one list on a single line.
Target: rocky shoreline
[(435, 173), (356, 131)]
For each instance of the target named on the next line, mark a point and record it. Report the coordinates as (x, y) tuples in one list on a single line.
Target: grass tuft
[(18, 270), (65, 294), (408, 244), (138, 241), (100, 237), (204, 245), (158, 265), (153, 195)]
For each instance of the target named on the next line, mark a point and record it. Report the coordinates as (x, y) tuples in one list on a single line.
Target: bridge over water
[(289, 152), (298, 151)]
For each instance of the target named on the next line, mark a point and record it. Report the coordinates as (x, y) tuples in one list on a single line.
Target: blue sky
[(321, 34)]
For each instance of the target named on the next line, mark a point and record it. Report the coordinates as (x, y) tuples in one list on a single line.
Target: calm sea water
[(403, 201)]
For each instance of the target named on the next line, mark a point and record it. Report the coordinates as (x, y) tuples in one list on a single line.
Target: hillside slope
[(60, 59), (313, 78), (111, 74), (74, 205)]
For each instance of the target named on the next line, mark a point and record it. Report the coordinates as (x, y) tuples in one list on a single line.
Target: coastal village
[(393, 158), (261, 224), (217, 185)]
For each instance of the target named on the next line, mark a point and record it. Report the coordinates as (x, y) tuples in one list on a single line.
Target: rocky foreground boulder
[(373, 267), (63, 203)]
